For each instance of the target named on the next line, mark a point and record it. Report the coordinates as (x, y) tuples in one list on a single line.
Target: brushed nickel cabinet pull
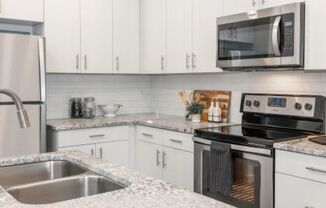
[(92, 152), (164, 160), (101, 153), (316, 169), (194, 61), (162, 63), (147, 135), (158, 163), (187, 61), (117, 59), (77, 62), (85, 62), (97, 136), (176, 141)]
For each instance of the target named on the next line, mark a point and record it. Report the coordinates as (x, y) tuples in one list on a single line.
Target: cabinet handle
[(187, 61), (176, 141), (162, 63), (308, 207), (164, 160), (194, 61), (316, 169), (158, 163), (101, 153), (147, 135), (85, 62), (97, 136), (92, 152), (77, 62), (254, 3), (117, 59)]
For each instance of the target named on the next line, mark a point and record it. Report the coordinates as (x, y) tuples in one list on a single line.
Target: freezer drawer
[(17, 141)]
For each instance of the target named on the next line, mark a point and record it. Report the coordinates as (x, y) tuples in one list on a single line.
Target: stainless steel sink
[(63, 189), (35, 172)]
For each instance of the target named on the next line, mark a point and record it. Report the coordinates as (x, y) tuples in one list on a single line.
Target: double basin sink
[(53, 181)]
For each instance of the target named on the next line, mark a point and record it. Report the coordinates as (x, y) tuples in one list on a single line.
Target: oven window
[(246, 181), (253, 39)]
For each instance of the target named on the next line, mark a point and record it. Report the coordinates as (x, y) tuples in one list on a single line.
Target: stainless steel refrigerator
[(22, 70)]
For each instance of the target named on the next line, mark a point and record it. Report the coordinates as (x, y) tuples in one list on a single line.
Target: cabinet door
[(205, 13), (96, 36), (153, 36), (115, 152), (28, 10), (149, 159), (178, 168), (315, 44), (179, 36), (126, 39), (62, 31), (88, 149), (293, 192), (238, 6)]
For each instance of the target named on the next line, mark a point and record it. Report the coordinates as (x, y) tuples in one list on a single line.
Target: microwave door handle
[(275, 40)]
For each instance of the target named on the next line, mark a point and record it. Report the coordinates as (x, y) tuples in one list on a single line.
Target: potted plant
[(195, 109)]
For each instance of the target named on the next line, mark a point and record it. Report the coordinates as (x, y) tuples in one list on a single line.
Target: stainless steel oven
[(270, 38), (252, 173)]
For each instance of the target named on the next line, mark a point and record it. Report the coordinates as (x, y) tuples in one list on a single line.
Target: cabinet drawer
[(301, 165), (148, 134), (91, 136), (178, 141)]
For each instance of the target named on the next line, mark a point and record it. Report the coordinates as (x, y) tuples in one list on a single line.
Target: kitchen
[(258, 63)]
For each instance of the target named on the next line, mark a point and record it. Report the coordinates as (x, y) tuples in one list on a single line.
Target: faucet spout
[(21, 112)]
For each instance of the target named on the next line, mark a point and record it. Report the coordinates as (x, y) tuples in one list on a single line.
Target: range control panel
[(303, 106)]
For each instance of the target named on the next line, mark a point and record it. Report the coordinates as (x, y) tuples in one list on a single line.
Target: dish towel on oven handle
[(221, 178)]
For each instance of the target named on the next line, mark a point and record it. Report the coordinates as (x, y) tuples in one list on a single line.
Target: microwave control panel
[(287, 42)]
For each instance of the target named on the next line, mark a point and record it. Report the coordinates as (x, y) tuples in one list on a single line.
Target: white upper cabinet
[(238, 6), (179, 36), (272, 3), (315, 45), (126, 38), (26, 10), (205, 13), (62, 31), (96, 36), (153, 36)]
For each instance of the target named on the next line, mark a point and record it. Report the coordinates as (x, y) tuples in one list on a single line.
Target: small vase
[(196, 118)]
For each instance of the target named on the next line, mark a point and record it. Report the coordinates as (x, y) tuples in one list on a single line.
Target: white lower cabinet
[(300, 180), (171, 159), (111, 143)]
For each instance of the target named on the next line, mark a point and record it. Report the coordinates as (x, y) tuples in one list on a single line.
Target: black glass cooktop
[(250, 135)]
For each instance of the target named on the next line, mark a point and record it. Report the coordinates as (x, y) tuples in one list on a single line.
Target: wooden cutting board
[(206, 96)]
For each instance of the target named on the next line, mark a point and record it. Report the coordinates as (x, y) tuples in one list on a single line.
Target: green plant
[(195, 108)]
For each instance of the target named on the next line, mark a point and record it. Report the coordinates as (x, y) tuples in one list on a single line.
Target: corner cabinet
[(110, 143), (22, 10), (300, 180), (166, 155)]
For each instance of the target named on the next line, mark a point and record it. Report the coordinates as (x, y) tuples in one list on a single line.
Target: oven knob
[(298, 106), (308, 106), (248, 103), (256, 103)]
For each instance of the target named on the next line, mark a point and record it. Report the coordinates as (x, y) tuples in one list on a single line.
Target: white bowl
[(110, 110)]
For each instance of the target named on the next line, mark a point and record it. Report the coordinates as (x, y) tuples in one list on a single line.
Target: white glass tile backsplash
[(158, 93)]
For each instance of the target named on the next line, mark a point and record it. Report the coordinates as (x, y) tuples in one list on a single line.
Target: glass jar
[(76, 108), (89, 108)]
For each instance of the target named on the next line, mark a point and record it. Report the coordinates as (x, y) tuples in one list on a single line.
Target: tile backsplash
[(132, 91), (158, 93)]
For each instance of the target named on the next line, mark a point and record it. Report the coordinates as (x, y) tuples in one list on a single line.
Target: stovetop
[(249, 135)]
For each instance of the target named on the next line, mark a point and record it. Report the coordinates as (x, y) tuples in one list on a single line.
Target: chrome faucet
[(21, 112)]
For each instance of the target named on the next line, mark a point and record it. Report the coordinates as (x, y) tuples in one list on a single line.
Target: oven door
[(252, 168), (268, 38)]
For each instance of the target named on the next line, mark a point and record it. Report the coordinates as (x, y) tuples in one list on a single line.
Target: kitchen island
[(140, 192)]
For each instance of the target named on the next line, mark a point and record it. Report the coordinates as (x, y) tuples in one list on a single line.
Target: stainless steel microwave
[(270, 38)]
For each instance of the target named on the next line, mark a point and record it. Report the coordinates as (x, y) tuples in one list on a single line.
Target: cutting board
[(205, 97)]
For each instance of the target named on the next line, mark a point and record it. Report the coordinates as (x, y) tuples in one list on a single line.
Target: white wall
[(132, 91), (158, 93), (164, 88)]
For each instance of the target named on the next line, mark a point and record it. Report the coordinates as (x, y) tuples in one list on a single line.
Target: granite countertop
[(168, 122), (142, 192), (302, 146)]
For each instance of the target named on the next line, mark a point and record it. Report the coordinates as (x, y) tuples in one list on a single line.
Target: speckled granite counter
[(142, 192), (302, 146), (168, 122)]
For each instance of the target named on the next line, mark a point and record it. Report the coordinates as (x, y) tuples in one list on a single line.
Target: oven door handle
[(248, 149), (275, 32)]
